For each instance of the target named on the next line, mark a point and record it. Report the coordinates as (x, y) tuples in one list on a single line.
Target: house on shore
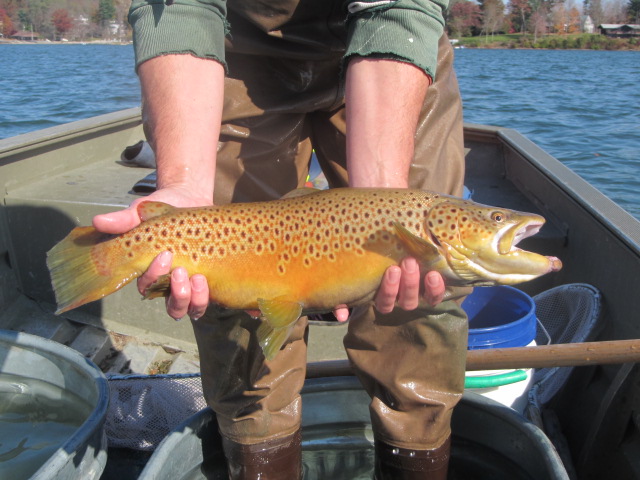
[(25, 36), (619, 30), (587, 24)]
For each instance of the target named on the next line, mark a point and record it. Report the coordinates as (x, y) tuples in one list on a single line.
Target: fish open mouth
[(514, 234)]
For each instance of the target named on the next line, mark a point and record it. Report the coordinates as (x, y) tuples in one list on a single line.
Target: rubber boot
[(279, 459), (394, 463)]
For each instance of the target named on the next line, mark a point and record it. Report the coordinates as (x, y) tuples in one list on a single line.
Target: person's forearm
[(383, 101), (182, 105)]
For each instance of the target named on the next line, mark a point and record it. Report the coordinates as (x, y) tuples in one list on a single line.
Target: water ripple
[(580, 106), (46, 85)]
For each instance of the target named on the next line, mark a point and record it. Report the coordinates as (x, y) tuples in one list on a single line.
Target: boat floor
[(129, 350), (135, 352)]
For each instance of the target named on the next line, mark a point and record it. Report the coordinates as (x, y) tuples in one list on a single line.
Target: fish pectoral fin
[(279, 316), (160, 288), (420, 248), (464, 268), (147, 210)]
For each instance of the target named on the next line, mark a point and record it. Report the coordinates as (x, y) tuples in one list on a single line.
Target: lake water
[(46, 85), (583, 107)]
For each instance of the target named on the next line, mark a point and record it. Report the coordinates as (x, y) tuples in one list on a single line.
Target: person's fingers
[(161, 265), (388, 292), (199, 296), (117, 222), (180, 297), (124, 220), (409, 290), (401, 285), (434, 288), (341, 312)]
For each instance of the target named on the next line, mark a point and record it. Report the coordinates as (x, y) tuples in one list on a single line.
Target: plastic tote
[(43, 381)]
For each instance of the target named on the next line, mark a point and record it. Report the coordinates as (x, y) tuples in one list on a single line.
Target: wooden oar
[(557, 355), (542, 356)]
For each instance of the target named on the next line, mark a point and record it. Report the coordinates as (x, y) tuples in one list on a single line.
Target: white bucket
[(500, 317), (508, 387)]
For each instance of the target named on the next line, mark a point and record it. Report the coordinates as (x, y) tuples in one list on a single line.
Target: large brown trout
[(307, 252)]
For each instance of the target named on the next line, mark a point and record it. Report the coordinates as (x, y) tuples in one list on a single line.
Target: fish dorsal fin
[(301, 192), (148, 210), (420, 248), (279, 317)]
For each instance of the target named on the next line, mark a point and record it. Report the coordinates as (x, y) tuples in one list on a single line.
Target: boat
[(60, 177)]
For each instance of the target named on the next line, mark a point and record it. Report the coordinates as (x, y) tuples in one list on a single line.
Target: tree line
[(85, 19), (71, 19), (487, 17)]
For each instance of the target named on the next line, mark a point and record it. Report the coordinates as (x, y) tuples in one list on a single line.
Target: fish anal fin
[(148, 210), (272, 339), (420, 248), (279, 317)]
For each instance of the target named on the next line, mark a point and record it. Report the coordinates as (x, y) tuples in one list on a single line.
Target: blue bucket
[(499, 317)]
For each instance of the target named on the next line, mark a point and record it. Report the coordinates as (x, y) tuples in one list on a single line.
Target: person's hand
[(401, 286), (122, 221), (188, 295)]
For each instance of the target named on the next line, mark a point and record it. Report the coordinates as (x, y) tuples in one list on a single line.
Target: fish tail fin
[(77, 277), (279, 317)]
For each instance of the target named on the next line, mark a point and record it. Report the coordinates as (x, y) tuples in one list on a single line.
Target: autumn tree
[(8, 28), (559, 19), (492, 16), (9, 7), (520, 10), (465, 18), (575, 22), (62, 21), (538, 21)]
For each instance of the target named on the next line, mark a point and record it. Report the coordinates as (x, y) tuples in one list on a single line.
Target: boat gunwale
[(608, 213)]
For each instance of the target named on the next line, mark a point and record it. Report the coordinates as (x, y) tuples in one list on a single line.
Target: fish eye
[(497, 217)]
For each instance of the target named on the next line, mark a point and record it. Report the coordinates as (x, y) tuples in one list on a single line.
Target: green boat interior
[(61, 177)]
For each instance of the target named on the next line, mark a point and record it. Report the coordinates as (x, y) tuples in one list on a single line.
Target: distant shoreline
[(549, 48), (499, 42), (57, 42), (518, 41)]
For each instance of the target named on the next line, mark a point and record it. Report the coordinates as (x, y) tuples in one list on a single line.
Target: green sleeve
[(184, 26), (406, 30)]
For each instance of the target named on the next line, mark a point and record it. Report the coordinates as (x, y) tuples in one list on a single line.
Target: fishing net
[(144, 409), (566, 314)]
